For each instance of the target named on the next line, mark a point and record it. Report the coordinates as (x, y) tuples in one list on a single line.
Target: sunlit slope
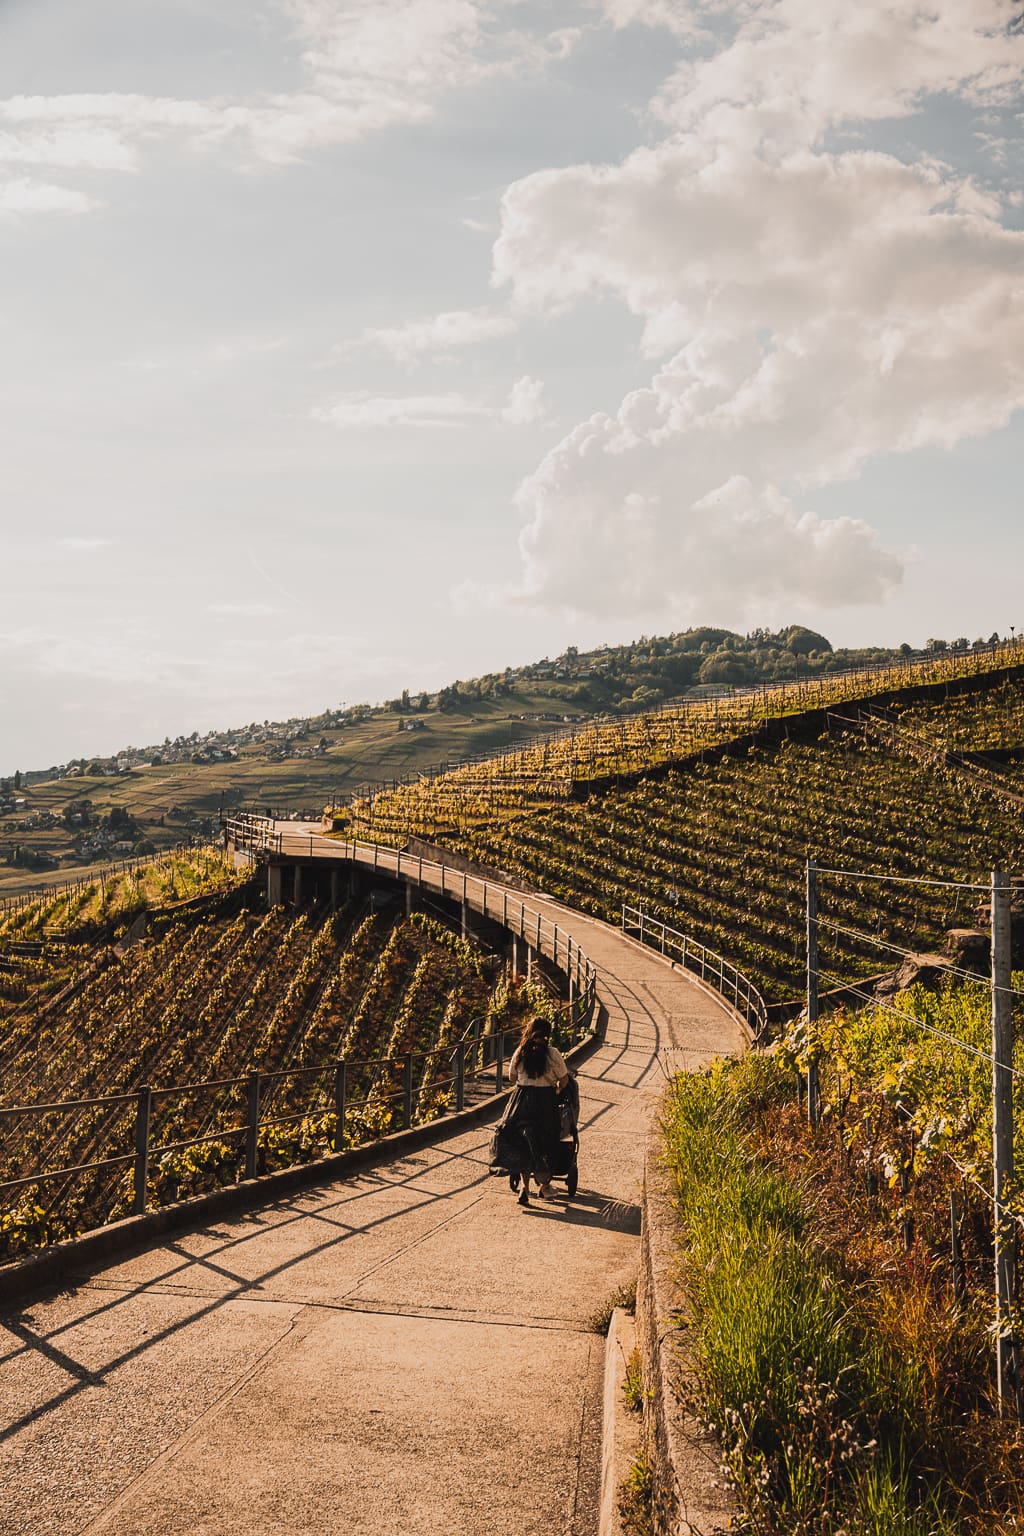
[(592, 758)]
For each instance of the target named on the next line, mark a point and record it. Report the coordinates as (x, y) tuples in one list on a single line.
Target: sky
[(353, 345)]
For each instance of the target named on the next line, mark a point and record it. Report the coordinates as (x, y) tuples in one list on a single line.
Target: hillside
[(73, 818), (709, 825)]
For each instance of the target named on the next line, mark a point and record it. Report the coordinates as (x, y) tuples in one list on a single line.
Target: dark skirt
[(532, 1126)]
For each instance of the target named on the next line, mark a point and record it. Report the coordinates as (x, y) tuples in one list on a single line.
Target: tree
[(17, 779), (803, 641)]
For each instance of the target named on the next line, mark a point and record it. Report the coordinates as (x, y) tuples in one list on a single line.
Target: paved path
[(404, 1351)]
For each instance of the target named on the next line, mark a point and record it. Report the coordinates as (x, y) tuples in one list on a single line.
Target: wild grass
[(844, 1402)]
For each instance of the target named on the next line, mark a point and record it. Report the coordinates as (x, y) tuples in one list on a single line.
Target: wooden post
[(813, 1086), (1002, 1141), (956, 1253), (499, 1061), (339, 1105), (407, 1092), (143, 1116)]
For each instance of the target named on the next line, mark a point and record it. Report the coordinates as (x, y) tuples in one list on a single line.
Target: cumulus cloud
[(367, 65), (792, 70), (361, 410), (440, 337), (525, 403), (811, 307)]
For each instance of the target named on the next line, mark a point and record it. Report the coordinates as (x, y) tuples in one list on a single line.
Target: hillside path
[(401, 1352)]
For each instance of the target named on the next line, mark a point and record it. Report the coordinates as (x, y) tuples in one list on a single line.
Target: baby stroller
[(507, 1152), (566, 1166)]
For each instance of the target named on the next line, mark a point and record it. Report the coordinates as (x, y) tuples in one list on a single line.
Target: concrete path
[(404, 1351)]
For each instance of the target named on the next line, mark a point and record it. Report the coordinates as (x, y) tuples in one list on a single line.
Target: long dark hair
[(534, 1046)]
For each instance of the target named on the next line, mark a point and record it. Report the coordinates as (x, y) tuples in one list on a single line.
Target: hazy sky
[(354, 344)]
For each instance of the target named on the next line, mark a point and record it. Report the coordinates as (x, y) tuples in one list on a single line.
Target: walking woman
[(537, 1072)]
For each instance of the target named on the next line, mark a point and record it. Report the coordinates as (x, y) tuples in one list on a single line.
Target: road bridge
[(399, 1352)]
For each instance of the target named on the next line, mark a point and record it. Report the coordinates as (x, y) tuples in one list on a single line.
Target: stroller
[(566, 1166), (507, 1152)]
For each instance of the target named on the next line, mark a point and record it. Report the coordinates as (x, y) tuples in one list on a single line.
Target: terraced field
[(194, 1011)]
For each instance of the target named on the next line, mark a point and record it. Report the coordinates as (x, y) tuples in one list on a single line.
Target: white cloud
[(360, 410), (525, 403), (813, 309), (441, 337), (367, 65), (790, 70), (21, 195)]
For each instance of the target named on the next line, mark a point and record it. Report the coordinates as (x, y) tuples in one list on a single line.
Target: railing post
[(484, 896), (143, 1116), (407, 1092), (252, 1123), (538, 933), (684, 951), (340, 1090), (499, 1061), (460, 1075)]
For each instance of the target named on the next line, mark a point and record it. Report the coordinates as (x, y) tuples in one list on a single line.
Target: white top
[(554, 1073)]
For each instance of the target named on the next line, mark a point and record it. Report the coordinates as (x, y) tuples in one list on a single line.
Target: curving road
[(403, 1351)]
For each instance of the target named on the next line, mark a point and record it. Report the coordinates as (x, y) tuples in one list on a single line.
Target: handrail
[(539, 932), (694, 956), (256, 835)]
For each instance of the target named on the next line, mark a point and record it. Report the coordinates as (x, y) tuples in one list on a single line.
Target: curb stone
[(621, 1428)]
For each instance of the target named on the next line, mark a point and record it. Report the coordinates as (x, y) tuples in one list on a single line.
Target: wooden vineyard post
[(407, 1093), (1002, 1142), (956, 1254), (813, 1105), (339, 1105)]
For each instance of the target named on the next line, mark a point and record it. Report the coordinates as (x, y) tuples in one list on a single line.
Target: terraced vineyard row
[(206, 1003), (548, 772), (720, 852), (971, 722), (117, 897)]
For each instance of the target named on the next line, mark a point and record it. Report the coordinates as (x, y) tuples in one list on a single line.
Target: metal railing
[(258, 836), (706, 963), (478, 1058)]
